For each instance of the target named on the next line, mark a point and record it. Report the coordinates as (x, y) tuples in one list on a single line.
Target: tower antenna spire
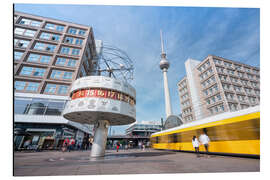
[(162, 46)]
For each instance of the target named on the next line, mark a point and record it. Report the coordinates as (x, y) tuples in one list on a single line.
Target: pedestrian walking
[(196, 144), (140, 145), (143, 146), (65, 145), (204, 139), (117, 146), (72, 144)]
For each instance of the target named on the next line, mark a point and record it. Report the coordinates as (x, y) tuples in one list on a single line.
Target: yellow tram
[(231, 133)]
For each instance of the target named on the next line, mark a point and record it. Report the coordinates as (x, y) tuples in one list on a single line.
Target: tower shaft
[(167, 94)]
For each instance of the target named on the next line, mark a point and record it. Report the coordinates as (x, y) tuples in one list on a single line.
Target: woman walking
[(195, 144)]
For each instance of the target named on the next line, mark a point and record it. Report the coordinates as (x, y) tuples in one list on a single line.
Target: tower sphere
[(164, 64)]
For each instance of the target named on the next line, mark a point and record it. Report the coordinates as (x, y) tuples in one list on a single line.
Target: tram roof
[(214, 118)]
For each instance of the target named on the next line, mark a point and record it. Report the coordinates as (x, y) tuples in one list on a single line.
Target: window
[(28, 86), (39, 72), (69, 40), (72, 31), (59, 28), (19, 85), (221, 107), (32, 71), (78, 41), (71, 63), (19, 31), (213, 99), (50, 47), (45, 59), (21, 43), (56, 74), (50, 88), (26, 71), (29, 33), (81, 32), (218, 97), (30, 22), (49, 26), (62, 89), (60, 61), (33, 87), (24, 32), (64, 50), (21, 104), (45, 36), (49, 36), (67, 75), (17, 55), (33, 58), (75, 51), (39, 58), (39, 46)]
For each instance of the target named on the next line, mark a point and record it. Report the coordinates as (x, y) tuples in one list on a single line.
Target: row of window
[(184, 97), (211, 90), (236, 66), (187, 111), (38, 106), (213, 99), (33, 87), (183, 84), (188, 118), (45, 59), (47, 36), (204, 66), (206, 74), (241, 98), (47, 47), (183, 90), (51, 26), (185, 104), (216, 109), (24, 32), (239, 88), (209, 81), (40, 72), (240, 74)]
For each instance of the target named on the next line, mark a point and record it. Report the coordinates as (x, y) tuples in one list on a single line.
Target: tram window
[(175, 138), (157, 139)]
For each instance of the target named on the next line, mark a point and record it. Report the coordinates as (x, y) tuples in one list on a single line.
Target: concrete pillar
[(167, 94), (100, 138)]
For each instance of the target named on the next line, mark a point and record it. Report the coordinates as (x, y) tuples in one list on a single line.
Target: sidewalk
[(126, 162)]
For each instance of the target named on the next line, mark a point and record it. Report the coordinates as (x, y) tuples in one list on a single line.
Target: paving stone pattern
[(53, 163)]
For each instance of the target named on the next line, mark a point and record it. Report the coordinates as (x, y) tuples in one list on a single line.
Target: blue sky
[(188, 32)]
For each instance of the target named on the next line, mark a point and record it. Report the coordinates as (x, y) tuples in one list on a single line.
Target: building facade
[(217, 85), (49, 55), (144, 129)]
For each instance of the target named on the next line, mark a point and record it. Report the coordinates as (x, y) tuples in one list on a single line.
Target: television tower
[(164, 66)]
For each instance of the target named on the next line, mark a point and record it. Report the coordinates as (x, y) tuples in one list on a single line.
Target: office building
[(217, 85), (49, 55)]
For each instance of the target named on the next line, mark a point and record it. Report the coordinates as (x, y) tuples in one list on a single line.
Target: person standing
[(204, 139), (196, 144)]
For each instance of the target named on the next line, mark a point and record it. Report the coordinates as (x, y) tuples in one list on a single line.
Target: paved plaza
[(135, 161)]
